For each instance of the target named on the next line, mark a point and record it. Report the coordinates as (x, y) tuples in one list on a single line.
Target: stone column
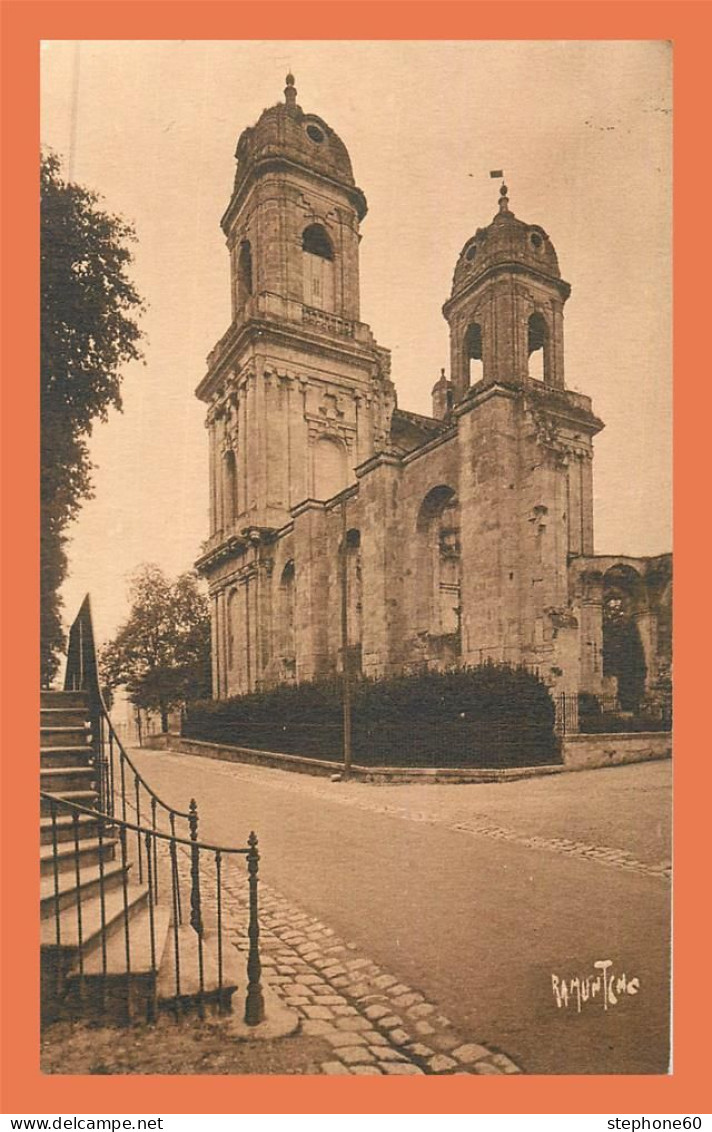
[(381, 562)]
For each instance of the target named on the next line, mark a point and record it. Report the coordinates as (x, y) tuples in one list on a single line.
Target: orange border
[(24, 24)]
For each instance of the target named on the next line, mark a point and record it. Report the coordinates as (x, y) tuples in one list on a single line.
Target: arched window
[(538, 347), (330, 467), (287, 622), (318, 268), (438, 567), (244, 273), (473, 353), (230, 502)]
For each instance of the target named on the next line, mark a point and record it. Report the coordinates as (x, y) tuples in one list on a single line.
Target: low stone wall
[(582, 752), (377, 774)]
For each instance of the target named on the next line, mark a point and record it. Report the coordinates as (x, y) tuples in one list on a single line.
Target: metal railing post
[(254, 1002)]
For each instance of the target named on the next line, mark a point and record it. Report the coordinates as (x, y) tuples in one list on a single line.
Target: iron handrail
[(147, 838), (137, 773), (82, 675), (164, 835)]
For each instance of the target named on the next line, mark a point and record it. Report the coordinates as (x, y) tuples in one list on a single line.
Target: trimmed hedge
[(489, 716)]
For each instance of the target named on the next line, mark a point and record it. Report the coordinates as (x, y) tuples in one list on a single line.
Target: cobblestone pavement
[(374, 1024)]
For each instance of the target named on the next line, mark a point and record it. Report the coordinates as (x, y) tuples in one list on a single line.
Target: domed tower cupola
[(505, 311), (292, 225)]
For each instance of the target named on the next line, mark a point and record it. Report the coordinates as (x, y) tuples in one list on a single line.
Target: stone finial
[(503, 199), (290, 91)]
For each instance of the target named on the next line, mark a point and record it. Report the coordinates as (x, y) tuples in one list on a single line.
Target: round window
[(536, 240), (315, 133), (471, 253)]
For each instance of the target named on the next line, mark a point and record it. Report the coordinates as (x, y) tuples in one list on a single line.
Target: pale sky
[(583, 132)]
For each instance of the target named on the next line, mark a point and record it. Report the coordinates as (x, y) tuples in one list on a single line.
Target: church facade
[(344, 529)]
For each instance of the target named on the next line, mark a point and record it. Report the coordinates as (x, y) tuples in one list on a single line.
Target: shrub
[(491, 715), (594, 719)]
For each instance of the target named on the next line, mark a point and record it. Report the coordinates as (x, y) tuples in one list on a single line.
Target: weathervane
[(503, 198)]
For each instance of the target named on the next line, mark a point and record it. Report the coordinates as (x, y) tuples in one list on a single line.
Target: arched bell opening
[(318, 268), (538, 348), (474, 364)]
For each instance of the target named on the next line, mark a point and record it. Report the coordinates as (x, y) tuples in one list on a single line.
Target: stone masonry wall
[(586, 751)]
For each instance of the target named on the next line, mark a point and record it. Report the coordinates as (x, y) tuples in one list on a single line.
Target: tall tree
[(162, 652), (88, 307)]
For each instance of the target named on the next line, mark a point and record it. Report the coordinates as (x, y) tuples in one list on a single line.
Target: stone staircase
[(109, 950)]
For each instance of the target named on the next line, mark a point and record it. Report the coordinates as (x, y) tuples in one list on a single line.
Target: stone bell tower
[(298, 392), (526, 489), (507, 304)]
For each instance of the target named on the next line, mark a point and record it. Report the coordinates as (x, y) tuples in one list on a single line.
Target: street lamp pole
[(345, 643)]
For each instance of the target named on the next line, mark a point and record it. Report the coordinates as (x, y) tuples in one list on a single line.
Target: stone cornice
[(234, 544), (378, 460), (211, 558), (479, 394), (429, 446), (290, 335), (306, 505), (562, 405), (511, 268), (276, 164)]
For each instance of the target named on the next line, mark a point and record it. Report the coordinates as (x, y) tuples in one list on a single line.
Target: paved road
[(478, 918)]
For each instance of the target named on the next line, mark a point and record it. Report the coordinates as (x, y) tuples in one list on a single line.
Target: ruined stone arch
[(624, 602)]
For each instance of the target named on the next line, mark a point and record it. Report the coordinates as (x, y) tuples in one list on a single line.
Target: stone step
[(114, 994), (65, 756), (81, 797), (63, 717), (64, 827), (114, 918), (189, 969), (64, 736), (58, 779), (90, 851), (139, 945), (89, 885), (60, 699)]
